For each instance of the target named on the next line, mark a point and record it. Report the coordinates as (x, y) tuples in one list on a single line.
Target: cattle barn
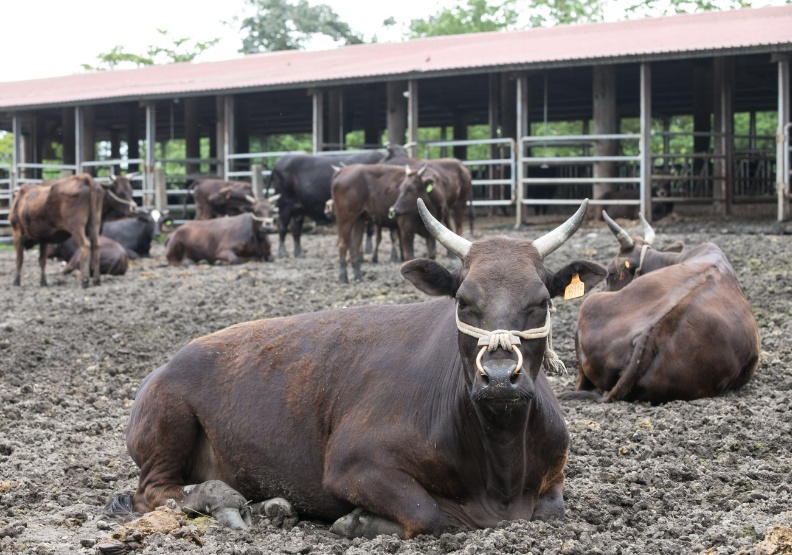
[(673, 102)]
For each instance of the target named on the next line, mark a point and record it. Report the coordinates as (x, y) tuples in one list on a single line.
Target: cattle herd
[(410, 419)]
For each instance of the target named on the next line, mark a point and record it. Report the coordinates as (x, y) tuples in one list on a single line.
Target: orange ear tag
[(575, 289)]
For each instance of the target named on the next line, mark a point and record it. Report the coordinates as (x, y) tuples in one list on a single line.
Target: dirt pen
[(709, 476)]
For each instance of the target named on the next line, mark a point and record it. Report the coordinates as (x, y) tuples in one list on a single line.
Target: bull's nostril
[(514, 377)]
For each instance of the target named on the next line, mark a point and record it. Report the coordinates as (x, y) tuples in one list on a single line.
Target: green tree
[(477, 16), (179, 50), (284, 25)]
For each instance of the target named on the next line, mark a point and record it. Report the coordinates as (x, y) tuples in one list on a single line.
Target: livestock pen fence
[(536, 171)]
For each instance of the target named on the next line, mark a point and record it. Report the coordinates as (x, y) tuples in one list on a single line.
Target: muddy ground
[(708, 476)]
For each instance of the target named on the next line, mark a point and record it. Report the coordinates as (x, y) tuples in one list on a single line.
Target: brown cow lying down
[(233, 240), (113, 258), (670, 326), (407, 419)]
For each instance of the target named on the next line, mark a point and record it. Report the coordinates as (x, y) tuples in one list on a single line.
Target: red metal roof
[(730, 32)]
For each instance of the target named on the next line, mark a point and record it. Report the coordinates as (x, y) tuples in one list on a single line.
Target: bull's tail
[(120, 508), (583, 395)]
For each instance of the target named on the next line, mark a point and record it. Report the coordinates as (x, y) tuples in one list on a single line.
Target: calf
[(113, 258), (363, 194), (233, 240), (670, 326), (215, 198), (393, 419), (51, 213)]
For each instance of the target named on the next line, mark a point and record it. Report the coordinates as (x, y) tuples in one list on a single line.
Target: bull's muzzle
[(485, 342)]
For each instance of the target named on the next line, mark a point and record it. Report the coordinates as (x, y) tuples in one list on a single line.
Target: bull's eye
[(461, 304)]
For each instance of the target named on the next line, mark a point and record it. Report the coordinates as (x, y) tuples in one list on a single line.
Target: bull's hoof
[(85, 283), (96, 281), (278, 511), (17, 282), (360, 523)]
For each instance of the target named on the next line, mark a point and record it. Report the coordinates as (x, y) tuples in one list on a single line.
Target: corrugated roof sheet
[(760, 29)]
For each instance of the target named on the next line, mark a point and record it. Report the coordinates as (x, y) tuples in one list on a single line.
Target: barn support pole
[(460, 133), (29, 145), (783, 144), (318, 120), (228, 134), (79, 137), (335, 119), (16, 131), (522, 130), (149, 161), (397, 112), (724, 141), (606, 122), (241, 127), (68, 136), (371, 131), (192, 136), (115, 144), (412, 117), (645, 193), (133, 137), (493, 121), (219, 135), (702, 125), (88, 147)]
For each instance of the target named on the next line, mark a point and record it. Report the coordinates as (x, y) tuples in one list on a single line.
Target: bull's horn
[(450, 240), (336, 169), (251, 200), (649, 233), (549, 242), (623, 237), (112, 176), (224, 189), (274, 198), (132, 175), (257, 218), (407, 170), (420, 172)]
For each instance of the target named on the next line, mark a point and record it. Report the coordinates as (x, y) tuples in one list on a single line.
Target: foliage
[(181, 50), (286, 25), (477, 16), (6, 147)]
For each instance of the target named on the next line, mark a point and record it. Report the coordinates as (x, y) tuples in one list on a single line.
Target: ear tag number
[(575, 289)]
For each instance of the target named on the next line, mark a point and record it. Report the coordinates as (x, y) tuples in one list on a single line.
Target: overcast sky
[(46, 38)]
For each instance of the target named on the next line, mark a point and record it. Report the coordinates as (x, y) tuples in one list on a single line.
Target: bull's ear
[(590, 273), (676, 246), (430, 277)]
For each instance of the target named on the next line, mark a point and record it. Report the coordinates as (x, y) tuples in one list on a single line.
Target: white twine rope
[(507, 339)]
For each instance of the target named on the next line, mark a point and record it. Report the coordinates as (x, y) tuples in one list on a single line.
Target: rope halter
[(510, 339)]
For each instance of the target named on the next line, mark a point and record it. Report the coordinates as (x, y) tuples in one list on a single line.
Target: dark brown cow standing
[(51, 213), (215, 198), (671, 326), (362, 194), (443, 183), (233, 240), (387, 419), (113, 258)]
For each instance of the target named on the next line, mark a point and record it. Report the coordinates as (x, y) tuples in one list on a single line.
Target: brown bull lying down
[(387, 410), (215, 198), (670, 326), (113, 258), (233, 240)]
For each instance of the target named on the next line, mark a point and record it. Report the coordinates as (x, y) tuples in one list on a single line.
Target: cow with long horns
[(406, 419), (670, 326)]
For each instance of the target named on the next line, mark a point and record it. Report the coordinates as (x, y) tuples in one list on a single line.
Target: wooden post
[(724, 124), (88, 147), (397, 112), (192, 135), (133, 137), (645, 193), (160, 190), (606, 122), (371, 132), (257, 181), (460, 133), (68, 135), (228, 134), (702, 124), (16, 131), (219, 135), (782, 143), (335, 119)]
